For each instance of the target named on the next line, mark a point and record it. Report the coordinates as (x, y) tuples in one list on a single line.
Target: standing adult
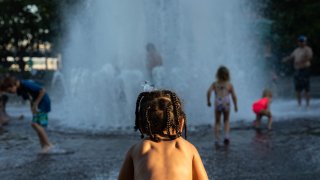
[(301, 57), (153, 59)]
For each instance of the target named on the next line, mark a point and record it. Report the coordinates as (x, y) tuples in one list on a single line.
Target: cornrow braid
[(185, 126), (137, 120), (168, 122), (159, 111), (179, 113), (136, 126), (176, 113), (148, 126)]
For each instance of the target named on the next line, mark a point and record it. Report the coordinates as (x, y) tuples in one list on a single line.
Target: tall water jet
[(104, 57)]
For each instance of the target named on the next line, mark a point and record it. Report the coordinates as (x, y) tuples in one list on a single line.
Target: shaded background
[(39, 21)]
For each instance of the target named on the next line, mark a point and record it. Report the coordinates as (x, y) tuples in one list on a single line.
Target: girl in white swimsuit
[(222, 97), (223, 89)]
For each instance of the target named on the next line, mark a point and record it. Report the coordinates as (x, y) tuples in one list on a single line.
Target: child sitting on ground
[(163, 154), (262, 108), (222, 88)]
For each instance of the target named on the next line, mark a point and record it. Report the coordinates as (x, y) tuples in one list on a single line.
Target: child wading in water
[(40, 106), (262, 108), (163, 154), (222, 88)]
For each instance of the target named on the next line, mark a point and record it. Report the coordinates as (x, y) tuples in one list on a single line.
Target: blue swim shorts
[(40, 118)]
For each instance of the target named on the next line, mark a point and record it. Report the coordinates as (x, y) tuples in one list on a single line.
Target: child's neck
[(165, 137), (221, 81)]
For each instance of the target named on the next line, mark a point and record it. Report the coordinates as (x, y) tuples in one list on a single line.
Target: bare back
[(173, 159), (222, 92), (153, 60)]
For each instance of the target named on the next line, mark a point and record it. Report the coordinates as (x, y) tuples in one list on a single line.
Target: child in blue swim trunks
[(40, 105), (223, 89)]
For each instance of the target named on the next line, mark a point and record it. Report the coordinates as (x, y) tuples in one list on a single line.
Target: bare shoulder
[(141, 147), (132, 149), (230, 86), (213, 85), (185, 144)]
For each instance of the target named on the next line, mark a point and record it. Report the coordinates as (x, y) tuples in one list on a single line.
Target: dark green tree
[(27, 24), (32, 21)]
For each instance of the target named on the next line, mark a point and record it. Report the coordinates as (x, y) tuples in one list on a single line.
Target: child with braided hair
[(163, 153)]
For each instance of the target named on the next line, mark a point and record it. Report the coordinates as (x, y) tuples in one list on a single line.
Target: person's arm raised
[(288, 58)]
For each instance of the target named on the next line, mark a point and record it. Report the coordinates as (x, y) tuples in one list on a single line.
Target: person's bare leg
[(269, 115), (298, 93), (43, 138), (217, 126), (258, 121), (226, 127), (307, 95), (35, 126), (226, 123)]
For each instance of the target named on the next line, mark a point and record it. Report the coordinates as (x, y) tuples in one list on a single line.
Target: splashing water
[(104, 57)]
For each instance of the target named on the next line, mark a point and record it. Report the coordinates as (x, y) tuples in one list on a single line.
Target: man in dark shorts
[(301, 57)]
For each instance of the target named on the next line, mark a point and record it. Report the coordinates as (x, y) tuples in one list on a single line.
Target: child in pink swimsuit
[(262, 108), (223, 89)]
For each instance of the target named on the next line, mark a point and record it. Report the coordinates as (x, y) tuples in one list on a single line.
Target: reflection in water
[(261, 142)]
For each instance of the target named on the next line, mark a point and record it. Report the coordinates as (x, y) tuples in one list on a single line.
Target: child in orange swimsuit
[(262, 108), (222, 89)]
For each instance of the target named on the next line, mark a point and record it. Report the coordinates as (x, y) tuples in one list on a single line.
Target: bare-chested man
[(153, 59), (301, 57)]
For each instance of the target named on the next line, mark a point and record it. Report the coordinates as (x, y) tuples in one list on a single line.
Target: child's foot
[(226, 141), (54, 150), (46, 149)]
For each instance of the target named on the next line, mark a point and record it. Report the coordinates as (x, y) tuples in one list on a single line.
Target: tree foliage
[(31, 21)]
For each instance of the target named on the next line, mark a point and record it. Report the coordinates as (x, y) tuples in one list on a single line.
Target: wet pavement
[(290, 151)]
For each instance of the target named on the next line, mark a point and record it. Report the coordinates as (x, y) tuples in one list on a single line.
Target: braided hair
[(159, 115)]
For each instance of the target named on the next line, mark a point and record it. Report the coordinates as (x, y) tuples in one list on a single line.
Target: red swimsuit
[(261, 104)]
